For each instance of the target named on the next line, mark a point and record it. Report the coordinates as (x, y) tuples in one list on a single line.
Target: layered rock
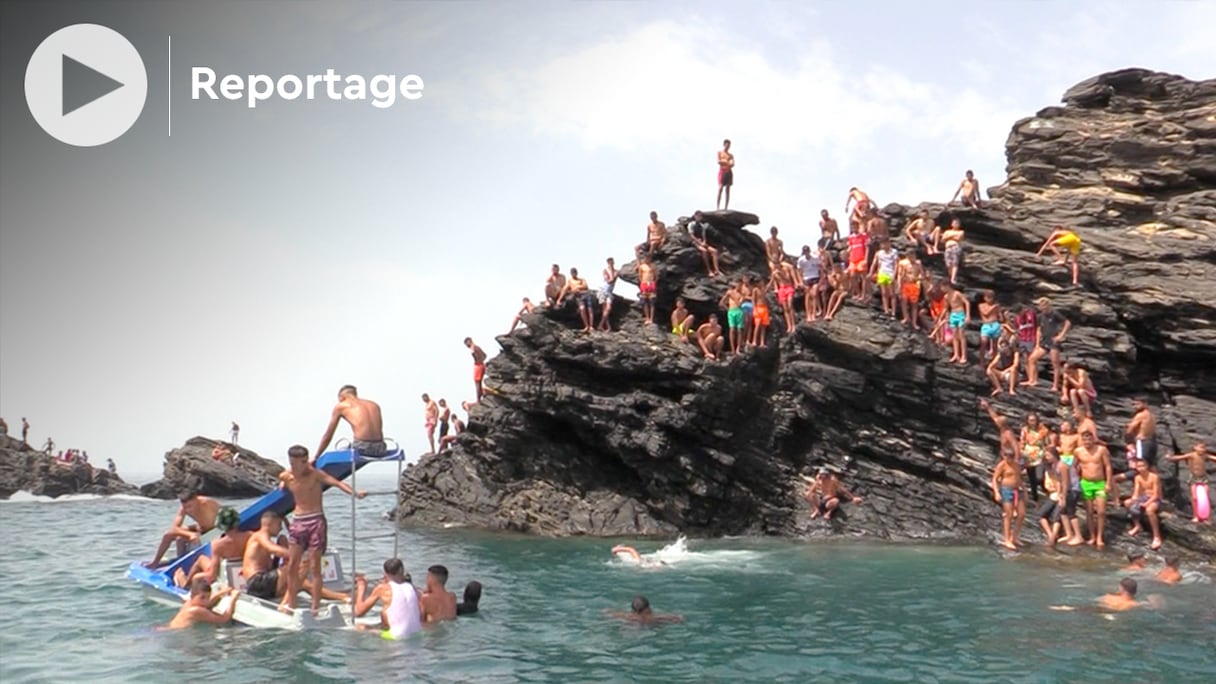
[(633, 433), (24, 470), (190, 467)]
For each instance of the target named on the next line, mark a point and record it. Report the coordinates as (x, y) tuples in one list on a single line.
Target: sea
[(754, 609)]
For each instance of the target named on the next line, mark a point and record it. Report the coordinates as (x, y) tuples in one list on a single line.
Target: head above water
[(472, 592), (1128, 586), (1171, 562), (439, 573), (394, 569), (640, 605), (200, 587)]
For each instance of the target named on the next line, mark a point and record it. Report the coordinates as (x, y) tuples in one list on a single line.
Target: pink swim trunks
[(309, 531)]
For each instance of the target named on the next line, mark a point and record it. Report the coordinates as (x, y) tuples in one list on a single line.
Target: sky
[(242, 264)]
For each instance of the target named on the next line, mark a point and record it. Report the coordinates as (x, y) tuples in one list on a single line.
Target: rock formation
[(24, 470), (191, 467), (634, 433)]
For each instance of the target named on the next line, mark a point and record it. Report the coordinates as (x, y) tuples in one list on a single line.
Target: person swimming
[(636, 557), (472, 597), (641, 613)]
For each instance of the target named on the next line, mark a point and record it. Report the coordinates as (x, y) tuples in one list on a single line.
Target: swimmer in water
[(1123, 599), (198, 607), (1169, 574), (1135, 561), (637, 557), (641, 613)]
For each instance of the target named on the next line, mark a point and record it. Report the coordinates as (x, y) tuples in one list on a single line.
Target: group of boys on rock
[(1012, 343), (276, 567)]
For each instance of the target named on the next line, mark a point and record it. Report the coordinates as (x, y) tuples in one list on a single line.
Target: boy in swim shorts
[(960, 316), (1006, 490), (1062, 238), (883, 272), (990, 324), (732, 301)]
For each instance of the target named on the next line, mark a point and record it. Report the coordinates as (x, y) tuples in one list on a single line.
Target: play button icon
[(85, 85)]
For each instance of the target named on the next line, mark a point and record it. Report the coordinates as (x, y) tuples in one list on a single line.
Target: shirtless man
[(732, 301), (920, 231), (774, 250), (437, 603), (952, 237), (726, 173), (959, 318), (783, 284), (681, 320), (876, 228), (308, 530), (828, 228), (448, 440), (605, 294), (553, 285), (860, 203), (641, 612), (430, 416), (859, 261), (809, 267), (1085, 423), (220, 452), (1003, 368), (1076, 387), (1169, 574), (1052, 329), (1143, 429), (445, 420), (198, 608), (824, 494), (1123, 599), (990, 324), (648, 287), (1056, 477), (969, 188), (199, 508), (698, 232), (266, 550), (908, 275), (527, 308), (883, 272), (709, 338), (638, 559), (363, 417), (478, 365), (656, 235), (1009, 441), (1093, 467), (1061, 237), (230, 546), (1007, 491), (1196, 460), (580, 291), (1145, 501), (401, 615), (837, 288)]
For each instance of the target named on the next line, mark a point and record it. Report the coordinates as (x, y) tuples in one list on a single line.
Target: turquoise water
[(755, 610)]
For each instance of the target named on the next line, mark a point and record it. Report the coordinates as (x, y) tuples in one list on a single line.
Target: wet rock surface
[(24, 470), (191, 467), (634, 433)]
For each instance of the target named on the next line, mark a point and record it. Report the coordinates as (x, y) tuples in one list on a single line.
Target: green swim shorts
[(734, 317), (1093, 489)]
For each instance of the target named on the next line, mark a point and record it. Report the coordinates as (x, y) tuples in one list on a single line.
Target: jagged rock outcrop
[(24, 470), (191, 467), (633, 433)]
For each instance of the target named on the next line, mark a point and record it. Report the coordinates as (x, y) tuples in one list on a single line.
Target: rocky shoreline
[(22, 469), (190, 467), (633, 433)]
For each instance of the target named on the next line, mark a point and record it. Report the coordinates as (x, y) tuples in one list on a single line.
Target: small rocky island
[(191, 467), (22, 469), (634, 433)]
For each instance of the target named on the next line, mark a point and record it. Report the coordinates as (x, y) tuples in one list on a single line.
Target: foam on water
[(26, 497), (677, 553)]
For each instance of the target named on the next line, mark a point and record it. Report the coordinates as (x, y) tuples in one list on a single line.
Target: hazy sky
[(243, 269)]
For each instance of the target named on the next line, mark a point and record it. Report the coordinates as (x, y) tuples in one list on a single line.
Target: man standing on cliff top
[(430, 415), (236, 431), (366, 425), (726, 173), (648, 287), (479, 364), (1053, 327), (25, 432), (1143, 429)]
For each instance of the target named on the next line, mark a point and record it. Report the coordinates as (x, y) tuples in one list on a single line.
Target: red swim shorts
[(479, 372)]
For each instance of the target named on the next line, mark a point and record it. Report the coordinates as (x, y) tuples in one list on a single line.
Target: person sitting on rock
[(828, 228), (1062, 238), (969, 188), (1145, 501), (681, 320), (919, 232), (824, 494), (527, 308), (774, 250), (446, 441), (1003, 369), (656, 235), (960, 317), (202, 510), (1076, 387), (861, 204), (641, 612), (605, 294), (648, 287), (952, 238), (839, 283), (220, 452), (579, 290), (111, 467), (230, 546), (990, 324), (709, 338), (1052, 329), (698, 232), (553, 285), (732, 301)]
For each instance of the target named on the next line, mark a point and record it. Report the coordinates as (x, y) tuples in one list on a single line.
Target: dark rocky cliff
[(632, 433), (24, 470), (191, 467)]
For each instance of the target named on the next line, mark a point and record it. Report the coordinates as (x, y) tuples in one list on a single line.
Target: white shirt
[(809, 267), (402, 611)]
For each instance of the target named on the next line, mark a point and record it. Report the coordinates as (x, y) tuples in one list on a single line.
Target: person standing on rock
[(308, 531), (1196, 461), (808, 267), (732, 301), (828, 228), (203, 510), (1062, 238), (774, 250), (578, 290), (648, 287), (363, 417), (990, 325), (709, 338), (1052, 328), (1142, 431), (448, 440), (25, 433), (554, 285), (236, 432), (1094, 469), (698, 232), (656, 235), (908, 274), (430, 415), (883, 272), (969, 188), (860, 203), (960, 317), (783, 283), (1007, 491), (445, 417), (479, 365), (1003, 369), (953, 249), (1009, 441), (605, 294), (726, 174), (859, 259)]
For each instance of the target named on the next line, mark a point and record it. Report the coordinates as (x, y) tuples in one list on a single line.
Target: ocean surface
[(755, 610)]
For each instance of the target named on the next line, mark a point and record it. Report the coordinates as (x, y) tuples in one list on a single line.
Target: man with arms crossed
[(308, 530), (366, 425)]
